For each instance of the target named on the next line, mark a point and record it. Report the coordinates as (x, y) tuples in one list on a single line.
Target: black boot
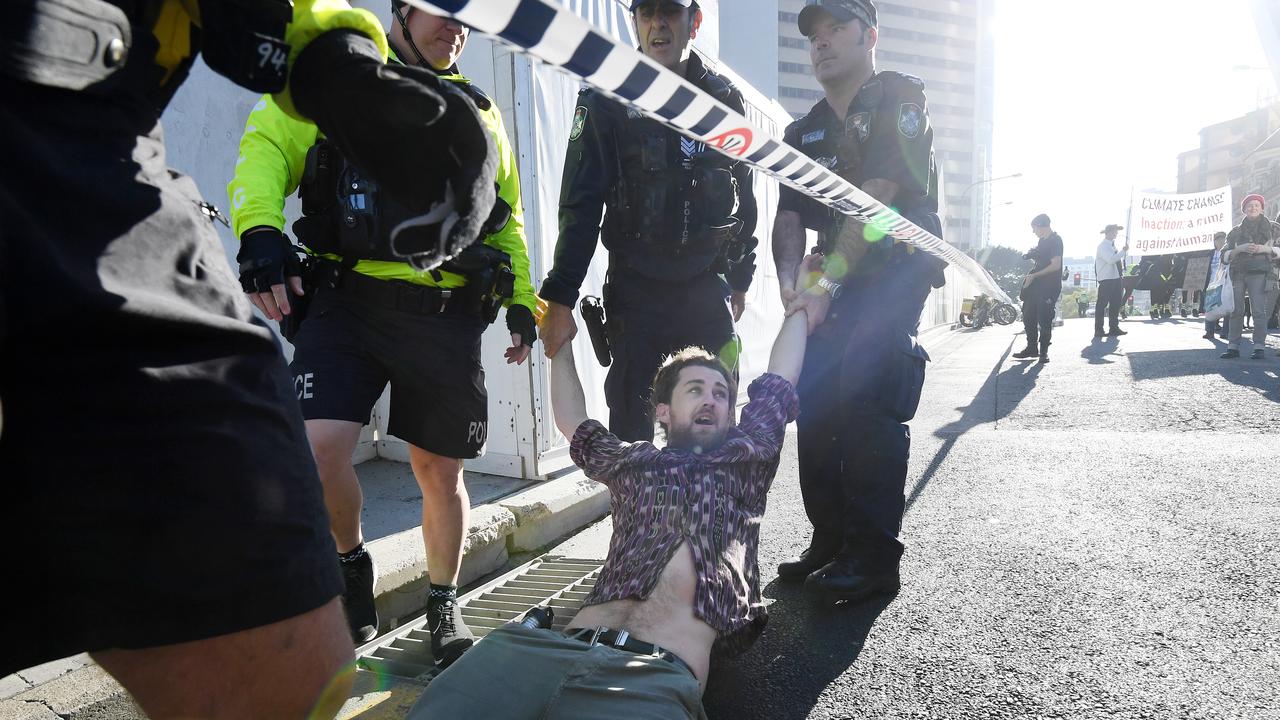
[(358, 575), (1025, 353), (450, 636), (819, 553), (845, 578)]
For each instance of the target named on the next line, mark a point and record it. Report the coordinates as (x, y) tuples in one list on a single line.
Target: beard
[(699, 439)]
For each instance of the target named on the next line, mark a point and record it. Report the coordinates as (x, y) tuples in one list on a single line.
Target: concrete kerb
[(522, 522)]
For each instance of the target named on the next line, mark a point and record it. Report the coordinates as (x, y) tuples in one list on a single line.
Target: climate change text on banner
[(1166, 223)]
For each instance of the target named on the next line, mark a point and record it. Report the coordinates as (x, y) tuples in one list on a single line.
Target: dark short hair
[(664, 383)]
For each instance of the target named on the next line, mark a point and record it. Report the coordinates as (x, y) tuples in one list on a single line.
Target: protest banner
[(1165, 223)]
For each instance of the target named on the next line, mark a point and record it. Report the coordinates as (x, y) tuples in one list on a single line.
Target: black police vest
[(346, 213), (843, 148), (672, 209)]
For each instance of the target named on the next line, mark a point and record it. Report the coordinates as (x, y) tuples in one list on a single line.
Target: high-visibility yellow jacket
[(273, 152)]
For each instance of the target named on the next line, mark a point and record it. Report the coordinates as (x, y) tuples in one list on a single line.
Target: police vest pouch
[(68, 44), (244, 41), (490, 279)]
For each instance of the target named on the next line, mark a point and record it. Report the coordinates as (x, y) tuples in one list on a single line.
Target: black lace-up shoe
[(362, 615), (851, 580), (818, 553), (450, 636), (1026, 353), (1232, 353)]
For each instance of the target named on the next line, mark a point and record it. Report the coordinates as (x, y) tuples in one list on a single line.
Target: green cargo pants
[(517, 673)]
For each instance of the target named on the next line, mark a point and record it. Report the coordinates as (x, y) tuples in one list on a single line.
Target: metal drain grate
[(563, 583)]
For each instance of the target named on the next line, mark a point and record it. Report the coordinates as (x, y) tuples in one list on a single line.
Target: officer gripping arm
[(895, 161), (742, 269), (589, 173)]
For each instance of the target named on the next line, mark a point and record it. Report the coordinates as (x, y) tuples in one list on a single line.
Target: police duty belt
[(560, 38)]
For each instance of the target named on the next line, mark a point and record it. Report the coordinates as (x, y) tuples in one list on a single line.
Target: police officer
[(377, 318), (677, 217), (1041, 289), (863, 374), (159, 494)]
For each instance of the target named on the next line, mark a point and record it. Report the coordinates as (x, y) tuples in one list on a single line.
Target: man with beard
[(680, 577)]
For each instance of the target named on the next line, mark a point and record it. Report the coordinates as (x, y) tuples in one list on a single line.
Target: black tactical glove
[(266, 258), (520, 322), (742, 263), (419, 137), (742, 273)]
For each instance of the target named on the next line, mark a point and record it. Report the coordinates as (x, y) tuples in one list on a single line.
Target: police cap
[(682, 3), (842, 10)]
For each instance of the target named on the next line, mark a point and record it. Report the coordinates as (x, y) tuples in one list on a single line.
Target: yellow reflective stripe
[(172, 31)]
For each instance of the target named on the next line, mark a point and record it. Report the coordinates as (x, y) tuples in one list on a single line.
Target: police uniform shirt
[(610, 144), (886, 134)]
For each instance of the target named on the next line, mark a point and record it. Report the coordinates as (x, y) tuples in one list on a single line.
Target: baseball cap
[(842, 10), (1040, 220), (1112, 227), (682, 3)]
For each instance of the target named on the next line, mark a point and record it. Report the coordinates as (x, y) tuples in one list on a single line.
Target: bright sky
[(1096, 96)]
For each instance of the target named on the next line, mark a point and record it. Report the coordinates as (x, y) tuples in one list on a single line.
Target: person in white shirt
[(1107, 264)]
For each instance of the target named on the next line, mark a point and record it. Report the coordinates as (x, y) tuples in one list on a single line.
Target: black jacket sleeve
[(740, 276), (590, 172)]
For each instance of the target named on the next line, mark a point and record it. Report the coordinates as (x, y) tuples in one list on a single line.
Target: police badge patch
[(579, 122), (910, 120), (859, 123)]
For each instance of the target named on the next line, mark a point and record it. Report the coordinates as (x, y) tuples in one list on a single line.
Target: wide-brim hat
[(1109, 228)]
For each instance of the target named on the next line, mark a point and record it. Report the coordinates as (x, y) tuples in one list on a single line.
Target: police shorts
[(349, 349), (157, 483)]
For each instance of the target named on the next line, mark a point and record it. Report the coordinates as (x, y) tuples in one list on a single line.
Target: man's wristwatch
[(832, 288)]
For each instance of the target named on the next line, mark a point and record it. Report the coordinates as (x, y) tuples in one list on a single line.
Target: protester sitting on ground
[(680, 576), (1251, 252)]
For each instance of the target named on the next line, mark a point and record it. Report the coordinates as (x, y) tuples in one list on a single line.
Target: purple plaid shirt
[(713, 501)]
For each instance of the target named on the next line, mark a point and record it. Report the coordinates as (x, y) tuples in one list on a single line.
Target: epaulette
[(894, 76), (719, 88), (478, 96)]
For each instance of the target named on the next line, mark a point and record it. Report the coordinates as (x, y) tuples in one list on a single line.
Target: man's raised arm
[(787, 357), (568, 401)]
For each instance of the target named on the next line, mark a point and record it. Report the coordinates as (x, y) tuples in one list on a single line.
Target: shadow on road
[(806, 646), (997, 397), (1260, 375), (1097, 351)]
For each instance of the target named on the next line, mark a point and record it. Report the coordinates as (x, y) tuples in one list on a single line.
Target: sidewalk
[(507, 516)]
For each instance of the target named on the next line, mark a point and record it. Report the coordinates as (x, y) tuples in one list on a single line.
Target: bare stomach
[(666, 618)]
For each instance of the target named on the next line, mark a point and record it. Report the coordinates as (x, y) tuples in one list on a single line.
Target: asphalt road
[(1098, 537)]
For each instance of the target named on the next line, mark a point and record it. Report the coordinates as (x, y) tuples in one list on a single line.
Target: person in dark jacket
[(1252, 249), (678, 221), (1040, 290)]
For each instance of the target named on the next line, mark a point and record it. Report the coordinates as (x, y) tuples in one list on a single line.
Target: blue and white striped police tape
[(563, 40)]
